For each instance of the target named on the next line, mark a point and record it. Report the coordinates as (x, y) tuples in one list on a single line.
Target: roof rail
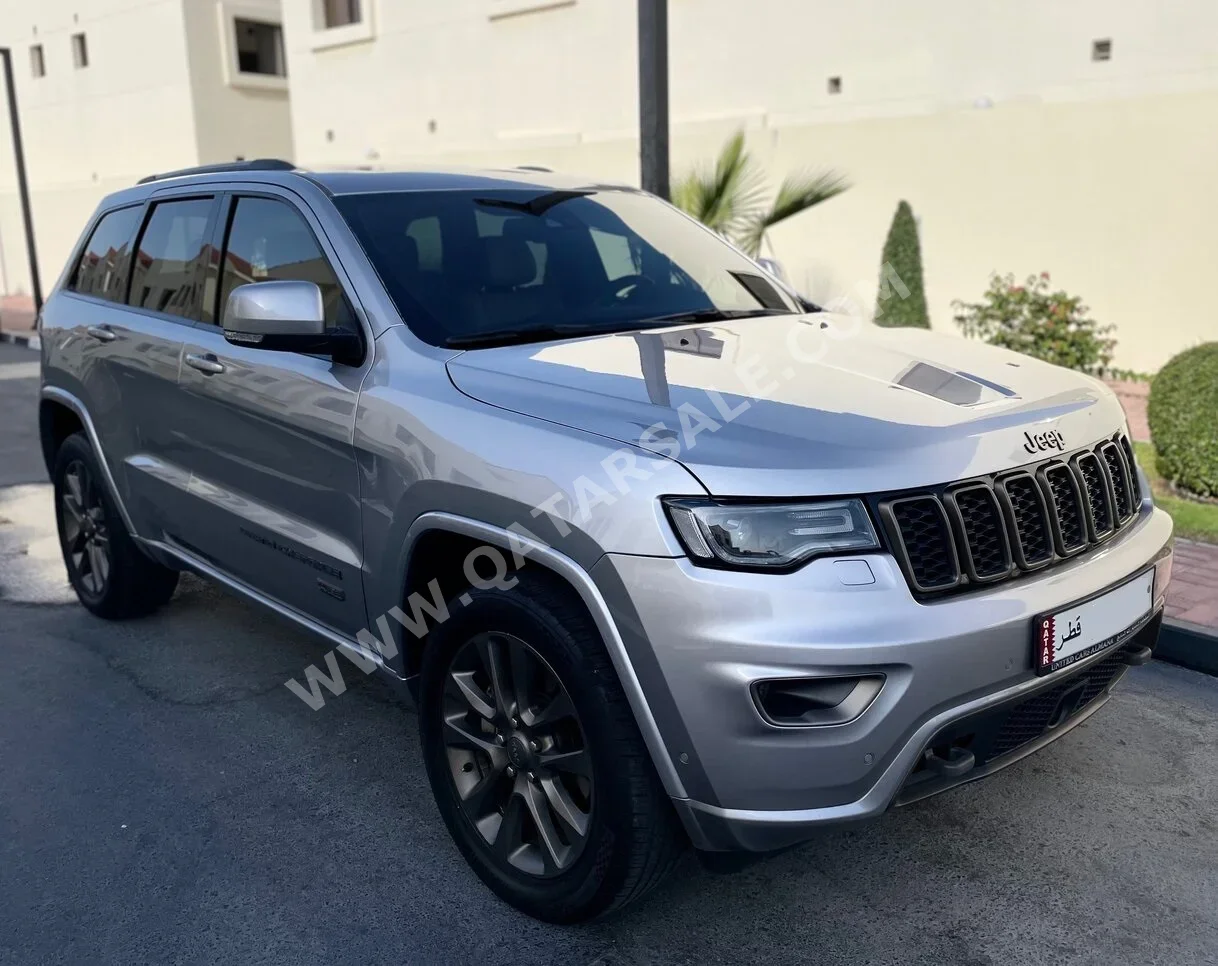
[(258, 164)]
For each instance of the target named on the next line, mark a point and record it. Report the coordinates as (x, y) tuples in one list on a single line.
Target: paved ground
[(1134, 397), (1194, 586), (164, 799), (20, 457)]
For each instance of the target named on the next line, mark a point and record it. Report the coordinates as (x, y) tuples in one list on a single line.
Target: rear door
[(267, 435), (132, 305)]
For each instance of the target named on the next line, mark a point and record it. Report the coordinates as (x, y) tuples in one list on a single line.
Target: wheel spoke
[(102, 566), (460, 735), (553, 852), (97, 561), (559, 707), (75, 513), (72, 482), (572, 762), (564, 806), (491, 651), (522, 676), (484, 796), (464, 680), (510, 836)]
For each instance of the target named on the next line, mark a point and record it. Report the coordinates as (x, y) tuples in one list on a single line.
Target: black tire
[(123, 582), (633, 836)]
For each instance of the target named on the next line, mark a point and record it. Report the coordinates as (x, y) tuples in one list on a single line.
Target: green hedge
[(1183, 415)]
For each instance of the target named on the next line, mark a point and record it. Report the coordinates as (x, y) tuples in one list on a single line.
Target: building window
[(1101, 50), (259, 47), (337, 23), (80, 51), (339, 13), (38, 66), (835, 85)]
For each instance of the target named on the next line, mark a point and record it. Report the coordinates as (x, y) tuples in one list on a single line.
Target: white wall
[(1016, 150), (154, 97), (91, 130), (234, 116)]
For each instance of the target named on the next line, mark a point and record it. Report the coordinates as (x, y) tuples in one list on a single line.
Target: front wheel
[(534, 757)]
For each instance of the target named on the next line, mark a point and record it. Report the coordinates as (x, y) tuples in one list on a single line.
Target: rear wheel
[(535, 760), (112, 577)]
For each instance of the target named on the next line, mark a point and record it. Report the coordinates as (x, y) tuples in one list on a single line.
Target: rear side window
[(102, 269), (166, 275), (269, 240)]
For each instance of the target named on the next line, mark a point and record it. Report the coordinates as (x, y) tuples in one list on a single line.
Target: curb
[(28, 339), (1188, 645)]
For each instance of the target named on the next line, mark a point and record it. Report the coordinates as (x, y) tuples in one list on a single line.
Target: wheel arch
[(56, 422), (437, 545)]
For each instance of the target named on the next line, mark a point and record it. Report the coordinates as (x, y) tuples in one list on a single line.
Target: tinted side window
[(102, 269), (167, 272), (269, 240)]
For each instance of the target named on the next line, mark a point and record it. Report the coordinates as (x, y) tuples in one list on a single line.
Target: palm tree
[(729, 198)]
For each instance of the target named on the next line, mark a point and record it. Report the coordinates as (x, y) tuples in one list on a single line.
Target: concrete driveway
[(165, 799)]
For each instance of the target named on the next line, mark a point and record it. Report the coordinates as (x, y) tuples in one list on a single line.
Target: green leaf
[(797, 193), (725, 197)]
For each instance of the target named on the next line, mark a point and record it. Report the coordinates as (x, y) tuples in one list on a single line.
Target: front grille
[(1067, 504), (1011, 523), (1135, 488), (1029, 518), (982, 531), (927, 543), (1099, 495), (1114, 461), (1030, 719)]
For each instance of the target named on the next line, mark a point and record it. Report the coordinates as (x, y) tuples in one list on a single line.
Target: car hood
[(801, 405)]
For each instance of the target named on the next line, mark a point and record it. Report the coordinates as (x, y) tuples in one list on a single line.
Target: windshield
[(480, 267)]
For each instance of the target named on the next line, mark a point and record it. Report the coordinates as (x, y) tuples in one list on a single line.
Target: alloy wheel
[(86, 538), (517, 754)]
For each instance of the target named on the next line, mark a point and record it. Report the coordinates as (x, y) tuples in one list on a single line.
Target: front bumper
[(700, 638)]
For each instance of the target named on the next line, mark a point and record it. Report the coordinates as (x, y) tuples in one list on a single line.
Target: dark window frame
[(195, 316)]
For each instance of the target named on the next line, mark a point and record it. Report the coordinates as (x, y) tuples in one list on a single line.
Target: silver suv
[(665, 554)]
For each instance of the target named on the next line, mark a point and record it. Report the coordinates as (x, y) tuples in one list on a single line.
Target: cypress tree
[(901, 300)]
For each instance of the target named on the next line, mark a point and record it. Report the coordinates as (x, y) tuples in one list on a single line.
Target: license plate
[(1077, 632)]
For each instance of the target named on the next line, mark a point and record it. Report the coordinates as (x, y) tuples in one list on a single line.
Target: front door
[(274, 483)]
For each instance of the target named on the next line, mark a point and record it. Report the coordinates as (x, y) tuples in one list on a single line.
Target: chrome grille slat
[(991, 529)]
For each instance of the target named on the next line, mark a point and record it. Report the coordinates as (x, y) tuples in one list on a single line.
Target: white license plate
[(1077, 632)]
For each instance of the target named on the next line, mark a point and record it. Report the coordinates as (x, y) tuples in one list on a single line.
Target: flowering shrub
[(1036, 321)]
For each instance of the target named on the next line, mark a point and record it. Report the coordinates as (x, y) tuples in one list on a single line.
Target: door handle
[(205, 364), (102, 333)]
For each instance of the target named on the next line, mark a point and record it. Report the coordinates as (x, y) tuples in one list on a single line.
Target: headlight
[(765, 536)]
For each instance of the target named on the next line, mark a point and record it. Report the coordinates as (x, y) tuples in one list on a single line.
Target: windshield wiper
[(566, 330), (711, 315), (536, 206)]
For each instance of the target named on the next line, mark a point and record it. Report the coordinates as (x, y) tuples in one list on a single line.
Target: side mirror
[(289, 316)]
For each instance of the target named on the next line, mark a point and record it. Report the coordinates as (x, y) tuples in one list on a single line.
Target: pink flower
[(1045, 276)]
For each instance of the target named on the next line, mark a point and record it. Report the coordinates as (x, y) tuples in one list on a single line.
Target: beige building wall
[(1017, 150), (155, 96)]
